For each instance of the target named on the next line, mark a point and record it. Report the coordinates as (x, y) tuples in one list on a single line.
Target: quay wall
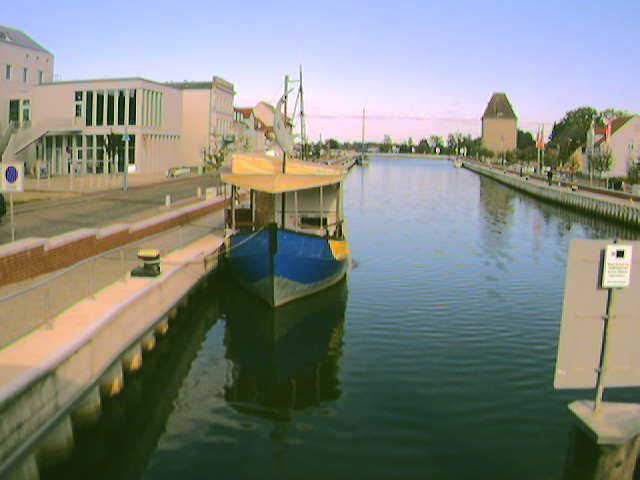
[(47, 376), (31, 257), (601, 207)]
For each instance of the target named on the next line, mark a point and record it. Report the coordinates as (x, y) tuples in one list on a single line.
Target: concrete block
[(613, 424)]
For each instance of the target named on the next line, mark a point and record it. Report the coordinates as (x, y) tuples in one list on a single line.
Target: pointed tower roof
[(499, 107)]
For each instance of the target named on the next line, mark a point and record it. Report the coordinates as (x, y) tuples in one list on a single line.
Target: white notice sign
[(617, 266)]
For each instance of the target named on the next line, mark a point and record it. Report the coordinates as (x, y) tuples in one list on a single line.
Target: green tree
[(436, 141), (570, 133), (602, 160), (525, 140), (423, 146), (387, 144), (333, 144)]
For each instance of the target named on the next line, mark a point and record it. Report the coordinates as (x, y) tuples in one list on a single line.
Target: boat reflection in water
[(283, 359)]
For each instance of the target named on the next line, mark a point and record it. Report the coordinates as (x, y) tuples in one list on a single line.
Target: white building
[(623, 142), (103, 125)]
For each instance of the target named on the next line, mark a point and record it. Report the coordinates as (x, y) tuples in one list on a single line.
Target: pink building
[(103, 125)]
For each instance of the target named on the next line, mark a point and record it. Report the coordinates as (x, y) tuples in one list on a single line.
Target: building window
[(110, 107), (78, 106), (14, 110), (100, 107), (26, 110), (24, 75), (132, 107), (132, 149), (40, 77), (7, 72), (88, 108), (121, 101)]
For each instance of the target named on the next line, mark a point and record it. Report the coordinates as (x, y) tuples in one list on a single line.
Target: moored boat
[(288, 239)]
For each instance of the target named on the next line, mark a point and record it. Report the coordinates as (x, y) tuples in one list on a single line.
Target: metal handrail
[(79, 264)]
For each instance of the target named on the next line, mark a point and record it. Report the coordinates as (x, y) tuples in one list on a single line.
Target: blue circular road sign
[(11, 174)]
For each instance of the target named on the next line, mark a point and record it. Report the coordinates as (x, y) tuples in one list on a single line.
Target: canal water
[(434, 359)]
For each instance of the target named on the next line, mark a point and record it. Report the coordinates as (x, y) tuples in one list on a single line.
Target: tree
[(387, 144), (333, 144), (551, 155), (436, 141), (602, 160), (423, 146), (525, 140), (570, 133)]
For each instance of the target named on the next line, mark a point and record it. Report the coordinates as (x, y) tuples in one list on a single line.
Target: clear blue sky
[(419, 67)]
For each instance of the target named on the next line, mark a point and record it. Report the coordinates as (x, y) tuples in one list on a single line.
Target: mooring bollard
[(112, 382), (167, 200), (199, 193)]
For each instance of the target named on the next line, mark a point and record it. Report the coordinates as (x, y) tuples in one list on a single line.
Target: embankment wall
[(601, 207)]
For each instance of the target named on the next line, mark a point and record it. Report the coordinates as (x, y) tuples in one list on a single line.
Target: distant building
[(623, 141), (499, 125), (63, 127)]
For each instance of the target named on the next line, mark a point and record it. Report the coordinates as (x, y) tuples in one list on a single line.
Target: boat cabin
[(306, 198)]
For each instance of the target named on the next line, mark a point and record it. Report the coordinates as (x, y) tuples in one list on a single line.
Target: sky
[(418, 67)]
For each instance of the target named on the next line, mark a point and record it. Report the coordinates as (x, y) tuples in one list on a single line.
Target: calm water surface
[(434, 359)]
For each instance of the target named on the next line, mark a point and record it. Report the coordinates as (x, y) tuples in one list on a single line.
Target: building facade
[(499, 125), (104, 125), (621, 138)]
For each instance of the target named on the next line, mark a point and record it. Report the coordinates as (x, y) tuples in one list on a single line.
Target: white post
[(13, 225), (296, 221), (321, 209)]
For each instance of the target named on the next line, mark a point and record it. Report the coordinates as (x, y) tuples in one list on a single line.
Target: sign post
[(616, 272), (12, 181)]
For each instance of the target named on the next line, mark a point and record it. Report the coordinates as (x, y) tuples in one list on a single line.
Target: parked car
[(3, 207)]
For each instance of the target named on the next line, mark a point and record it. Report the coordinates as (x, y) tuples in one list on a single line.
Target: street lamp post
[(125, 179)]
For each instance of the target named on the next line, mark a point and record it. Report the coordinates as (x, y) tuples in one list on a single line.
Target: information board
[(582, 325)]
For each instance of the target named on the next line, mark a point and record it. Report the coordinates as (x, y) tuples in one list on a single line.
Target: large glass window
[(132, 107), (88, 108), (110, 107), (14, 110), (24, 75), (26, 110), (100, 107), (40, 77), (7, 72), (99, 153), (132, 149), (121, 101), (78, 96)]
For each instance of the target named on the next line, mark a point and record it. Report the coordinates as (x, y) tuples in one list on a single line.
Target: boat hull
[(280, 266)]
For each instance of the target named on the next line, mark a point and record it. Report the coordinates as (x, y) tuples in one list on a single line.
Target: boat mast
[(284, 154), (303, 133), (362, 148)]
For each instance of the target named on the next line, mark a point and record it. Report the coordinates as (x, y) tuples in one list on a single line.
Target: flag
[(607, 130), (540, 138)]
